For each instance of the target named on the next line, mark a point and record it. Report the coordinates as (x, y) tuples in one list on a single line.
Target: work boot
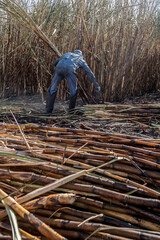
[(50, 102), (72, 104)]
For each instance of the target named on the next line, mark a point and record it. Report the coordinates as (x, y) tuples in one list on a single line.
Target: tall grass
[(119, 40)]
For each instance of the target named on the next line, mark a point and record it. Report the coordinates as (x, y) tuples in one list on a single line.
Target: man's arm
[(90, 74), (66, 55), (56, 61)]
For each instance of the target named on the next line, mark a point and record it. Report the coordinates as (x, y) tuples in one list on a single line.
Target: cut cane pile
[(79, 184)]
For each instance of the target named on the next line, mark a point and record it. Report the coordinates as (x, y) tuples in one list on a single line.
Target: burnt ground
[(138, 116)]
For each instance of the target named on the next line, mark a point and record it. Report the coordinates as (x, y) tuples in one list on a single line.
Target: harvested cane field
[(94, 174)]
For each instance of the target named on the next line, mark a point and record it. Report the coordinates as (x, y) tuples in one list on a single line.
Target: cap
[(78, 52)]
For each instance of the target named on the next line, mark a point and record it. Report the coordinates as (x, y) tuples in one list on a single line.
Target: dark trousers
[(71, 81)]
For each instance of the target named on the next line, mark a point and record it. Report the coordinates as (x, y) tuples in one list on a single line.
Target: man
[(66, 67)]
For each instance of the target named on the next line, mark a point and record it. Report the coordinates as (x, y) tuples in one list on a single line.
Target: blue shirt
[(70, 62)]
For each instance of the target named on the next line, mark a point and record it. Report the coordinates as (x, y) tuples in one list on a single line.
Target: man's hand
[(99, 95), (98, 89)]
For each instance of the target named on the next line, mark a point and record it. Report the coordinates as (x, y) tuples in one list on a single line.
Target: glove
[(98, 89)]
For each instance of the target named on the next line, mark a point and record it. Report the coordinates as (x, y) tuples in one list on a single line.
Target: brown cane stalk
[(22, 212)]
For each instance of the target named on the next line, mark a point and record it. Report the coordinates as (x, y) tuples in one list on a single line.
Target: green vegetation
[(119, 39)]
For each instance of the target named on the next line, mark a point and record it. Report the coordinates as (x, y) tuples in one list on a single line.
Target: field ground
[(137, 116)]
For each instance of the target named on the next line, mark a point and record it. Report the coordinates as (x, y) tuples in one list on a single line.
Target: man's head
[(78, 52)]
